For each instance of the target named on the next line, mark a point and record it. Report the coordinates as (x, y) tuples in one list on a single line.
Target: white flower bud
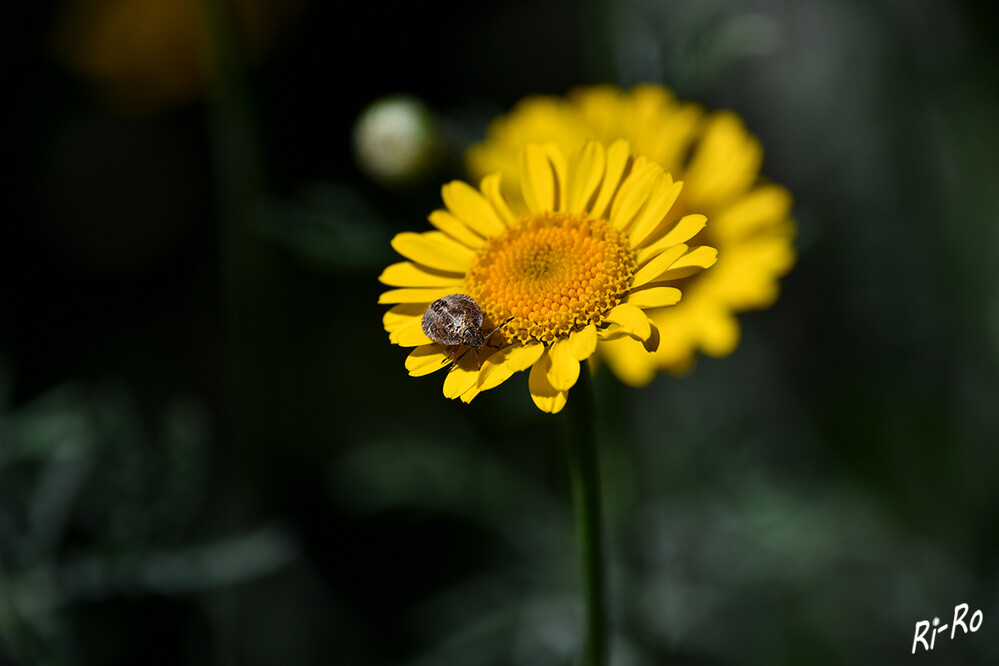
[(396, 141)]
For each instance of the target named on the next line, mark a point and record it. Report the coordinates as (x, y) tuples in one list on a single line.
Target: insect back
[(455, 320)]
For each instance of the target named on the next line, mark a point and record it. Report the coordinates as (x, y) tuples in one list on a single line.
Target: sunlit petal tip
[(410, 336), (545, 396), (447, 223), (654, 297), (662, 240), (503, 364), (631, 319), (434, 249), (460, 379), (408, 274), (472, 208), (703, 256), (690, 224), (659, 263), (426, 360), (469, 395), (652, 217), (712, 256), (411, 295), (550, 404), (402, 315)]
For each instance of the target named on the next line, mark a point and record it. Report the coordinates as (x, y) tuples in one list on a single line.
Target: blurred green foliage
[(94, 509)]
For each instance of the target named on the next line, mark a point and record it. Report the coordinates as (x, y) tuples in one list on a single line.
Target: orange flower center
[(554, 273)]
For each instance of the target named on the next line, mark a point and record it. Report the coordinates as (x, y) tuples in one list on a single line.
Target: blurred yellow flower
[(569, 265), (718, 162), (144, 54)]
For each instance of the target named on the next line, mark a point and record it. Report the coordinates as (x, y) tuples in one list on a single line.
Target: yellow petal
[(469, 206), (631, 319), (693, 262), (719, 334), (676, 350), (763, 208), (747, 278), (425, 360), (426, 296), (612, 332), (654, 297), (408, 274), (500, 366), (545, 396), (634, 194), (455, 228), (435, 250), (656, 265), (403, 315), (537, 180), (491, 187), (583, 343), (461, 378), (651, 343), (561, 170), (629, 361), (726, 161), (664, 194), (411, 335), (470, 394), (589, 172), (618, 156), (563, 369), (663, 125), (684, 229), (669, 148)]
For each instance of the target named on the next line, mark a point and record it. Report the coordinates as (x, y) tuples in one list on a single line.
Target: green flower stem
[(248, 271), (585, 468), (244, 276)]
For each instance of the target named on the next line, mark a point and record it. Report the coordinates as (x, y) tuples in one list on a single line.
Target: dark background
[(209, 452)]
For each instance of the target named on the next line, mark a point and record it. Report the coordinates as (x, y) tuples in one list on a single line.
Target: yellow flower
[(718, 161), (570, 265)]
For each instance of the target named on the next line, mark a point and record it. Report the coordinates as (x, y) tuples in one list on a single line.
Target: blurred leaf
[(96, 508), (690, 45), (459, 479), (37, 431), (332, 226), (225, 561)]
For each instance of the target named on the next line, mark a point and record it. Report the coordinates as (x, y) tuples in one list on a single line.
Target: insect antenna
[(454, 362), (498, 328)]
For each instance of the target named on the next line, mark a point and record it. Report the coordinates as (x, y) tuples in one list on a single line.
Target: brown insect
[(456, 320)]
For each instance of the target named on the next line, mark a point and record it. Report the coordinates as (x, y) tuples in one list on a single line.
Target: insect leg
[(454, 362)]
